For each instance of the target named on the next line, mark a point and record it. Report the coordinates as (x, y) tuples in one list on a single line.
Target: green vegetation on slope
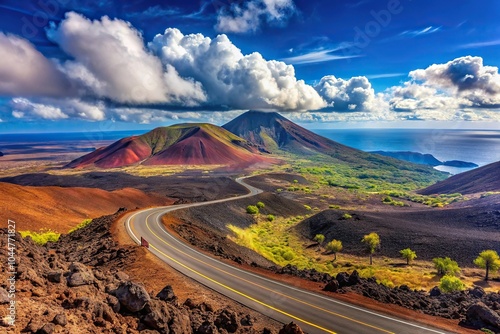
[(41, 237), (278, 242)]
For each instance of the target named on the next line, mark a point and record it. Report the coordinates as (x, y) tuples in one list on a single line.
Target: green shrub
[(319, 238), (307, 207), (288, 255), (252, 209), (260, 205), (346, 216), (332, 206), (81, 225), (270, 218), (387, 199), (451, 284), (41, 237), (446, 266)]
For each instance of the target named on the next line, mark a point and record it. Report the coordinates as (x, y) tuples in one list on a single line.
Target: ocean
[(479, 146)]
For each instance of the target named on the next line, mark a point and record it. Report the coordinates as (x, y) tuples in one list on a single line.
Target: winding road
[(313, 312)]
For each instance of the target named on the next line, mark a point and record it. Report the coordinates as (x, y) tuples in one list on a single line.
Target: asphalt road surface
[(314, 313)]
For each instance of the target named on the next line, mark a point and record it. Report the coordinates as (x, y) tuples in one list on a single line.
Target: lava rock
[(157, 315), (227, 320), (343, 279), (48, 328), (435, 291), (207, 328), (354, 278), (132, 296), (79, 275), (291, 328), (479, 315), (477, 292), (332, 286), (60, 319), (54, 276), (167, 294)]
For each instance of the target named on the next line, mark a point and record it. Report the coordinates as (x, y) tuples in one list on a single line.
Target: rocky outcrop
[(473, 307)]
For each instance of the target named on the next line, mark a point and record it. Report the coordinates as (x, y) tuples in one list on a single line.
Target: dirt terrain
[(190, 186), (60, 209), (460, 233)]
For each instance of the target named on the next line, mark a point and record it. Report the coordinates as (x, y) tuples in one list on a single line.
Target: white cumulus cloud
[(354, 94), (247, 16), (25, 71), (111, 62), (231, 78)]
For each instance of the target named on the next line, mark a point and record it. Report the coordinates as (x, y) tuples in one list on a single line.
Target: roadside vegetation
[(277, 242), (41, 237), (81, 225)]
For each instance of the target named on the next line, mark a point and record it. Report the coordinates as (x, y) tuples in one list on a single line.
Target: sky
[(82, 65)]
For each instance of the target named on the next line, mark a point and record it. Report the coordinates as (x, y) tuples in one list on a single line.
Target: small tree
[(446, 266), (261, 205), (270, 218), (489, 260), (451, 284), (319, 238), (334, 246), (372, 242), (252, 209), (408, 255)]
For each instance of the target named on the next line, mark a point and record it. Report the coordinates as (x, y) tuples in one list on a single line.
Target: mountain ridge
[(180, 144), (482, 179)]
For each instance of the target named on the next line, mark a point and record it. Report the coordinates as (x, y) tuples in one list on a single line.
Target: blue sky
[(79, 65)]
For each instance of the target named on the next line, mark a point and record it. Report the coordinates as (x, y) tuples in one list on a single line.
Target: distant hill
[(415, 157), (425, 159), (482, 179), (183, 144), (273, 132)]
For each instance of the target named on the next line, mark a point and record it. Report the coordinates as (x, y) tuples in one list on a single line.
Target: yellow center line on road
[(242, 294), (263, 287)]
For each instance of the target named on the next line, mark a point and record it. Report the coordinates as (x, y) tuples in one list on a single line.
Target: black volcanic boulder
[(332, 286), (354, 278), (167, 294), (343, 279), (132, 296), (479, 315)]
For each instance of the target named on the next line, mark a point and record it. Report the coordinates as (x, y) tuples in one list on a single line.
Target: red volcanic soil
[(60, 209), (183, 144), (482, 179), (202, 148), (124, 152)]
